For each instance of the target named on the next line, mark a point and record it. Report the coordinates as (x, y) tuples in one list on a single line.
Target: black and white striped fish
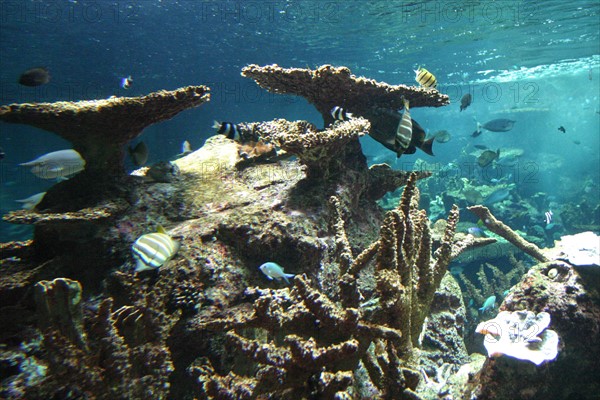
[(339, 114), (153, 250), (404, 131), (425, 78), (231, 130)]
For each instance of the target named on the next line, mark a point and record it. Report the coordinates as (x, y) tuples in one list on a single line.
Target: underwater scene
[(299, 199)]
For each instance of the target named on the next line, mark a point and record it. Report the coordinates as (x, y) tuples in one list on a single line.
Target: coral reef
[(99, 130), (331, 153), (556, 288), (328, 86), (304, 343), (122, 356)]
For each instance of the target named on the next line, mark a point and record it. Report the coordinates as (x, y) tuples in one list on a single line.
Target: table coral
[(99, 130), (328, 86)]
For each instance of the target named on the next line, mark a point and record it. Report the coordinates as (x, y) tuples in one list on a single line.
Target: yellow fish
[(153, 250), (425, 78)]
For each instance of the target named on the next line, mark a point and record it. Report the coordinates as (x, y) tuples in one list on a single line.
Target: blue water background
[(534, 62)]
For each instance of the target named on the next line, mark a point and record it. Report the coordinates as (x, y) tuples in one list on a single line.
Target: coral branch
[(503, 230)]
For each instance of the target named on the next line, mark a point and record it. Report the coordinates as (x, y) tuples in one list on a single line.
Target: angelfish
[(274, 271), (152, 250), (58, 164)]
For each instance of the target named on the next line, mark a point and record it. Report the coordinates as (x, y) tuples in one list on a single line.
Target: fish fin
[(427, 146), (160, 229), (140, 266), (216, 124), (269, 277), (286, 276), (349, 115)]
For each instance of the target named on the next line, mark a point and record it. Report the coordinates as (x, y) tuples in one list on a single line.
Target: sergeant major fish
[(153, 250), (274, 271)]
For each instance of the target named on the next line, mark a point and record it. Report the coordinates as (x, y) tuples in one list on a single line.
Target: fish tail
[(427, 146), (216, 124)]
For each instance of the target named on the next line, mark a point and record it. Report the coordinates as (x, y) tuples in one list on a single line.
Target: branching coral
[(302, 343), (328, 86), (124, 356)]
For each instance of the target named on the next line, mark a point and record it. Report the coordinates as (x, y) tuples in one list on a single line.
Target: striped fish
[(404, 131), (228, 129), (153, 250), (340, 114), (425, 78)]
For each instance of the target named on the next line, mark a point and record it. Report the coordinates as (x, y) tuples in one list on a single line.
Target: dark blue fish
[(496, 196)]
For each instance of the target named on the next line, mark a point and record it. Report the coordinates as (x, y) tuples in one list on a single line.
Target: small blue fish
[(274, 270), (488, 304), (477, 232)]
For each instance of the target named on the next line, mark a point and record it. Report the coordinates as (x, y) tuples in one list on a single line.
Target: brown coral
[(98, 130), (328, 86), (303, 343)]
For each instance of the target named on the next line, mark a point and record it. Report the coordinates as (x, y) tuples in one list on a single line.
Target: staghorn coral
[(328, 86), (302, 343), (98, 130)]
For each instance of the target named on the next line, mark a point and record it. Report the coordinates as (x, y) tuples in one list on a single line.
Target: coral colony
[(277, 273)]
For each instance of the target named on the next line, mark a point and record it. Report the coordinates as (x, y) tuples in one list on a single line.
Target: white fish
[(152, 250), (30, 202), (58, 164), (274, 270)]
